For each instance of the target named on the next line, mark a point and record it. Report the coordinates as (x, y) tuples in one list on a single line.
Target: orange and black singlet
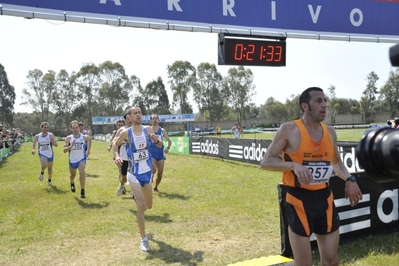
[(317, 156)]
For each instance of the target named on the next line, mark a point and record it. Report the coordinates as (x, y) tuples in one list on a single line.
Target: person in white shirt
[(45, 140), (75, 145), (236, 130)]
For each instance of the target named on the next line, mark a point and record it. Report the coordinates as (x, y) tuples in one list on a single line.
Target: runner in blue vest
[(138, 139), (158, 154)]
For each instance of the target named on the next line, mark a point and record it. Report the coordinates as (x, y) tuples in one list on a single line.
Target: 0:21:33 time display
[(269, 53), (255, 52)]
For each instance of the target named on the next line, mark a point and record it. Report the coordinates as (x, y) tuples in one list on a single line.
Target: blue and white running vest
[(77, 153), (45, 148), (137, 152)]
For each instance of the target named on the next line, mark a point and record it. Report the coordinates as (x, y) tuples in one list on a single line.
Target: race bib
[(140, 155), (45, 147), (321, 171), (78, 146)]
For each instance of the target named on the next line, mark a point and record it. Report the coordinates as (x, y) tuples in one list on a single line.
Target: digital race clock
[(251, 51)]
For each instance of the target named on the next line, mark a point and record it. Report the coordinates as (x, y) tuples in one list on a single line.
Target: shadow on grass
[(55, 189), (171, 255), (86, 205), (160, 195), (172, 196), (90, 175), (164, 219), (127, 197)]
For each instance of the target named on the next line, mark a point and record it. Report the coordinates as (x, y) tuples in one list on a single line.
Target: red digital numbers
[(253, 52), (271, 53), (244, 52)]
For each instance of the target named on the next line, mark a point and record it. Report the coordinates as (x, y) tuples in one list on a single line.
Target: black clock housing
[(251, 51)]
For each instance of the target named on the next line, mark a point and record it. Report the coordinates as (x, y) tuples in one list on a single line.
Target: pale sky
[(27, 44)]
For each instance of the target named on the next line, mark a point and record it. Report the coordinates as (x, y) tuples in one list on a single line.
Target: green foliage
[(254, 111), (89, 84), (105, 89), (367, 101), (7, 98), (275, 111), (181, 78), (65, 99), (29, 123), (115, 88), (332, 104), (38, 95), (239, 90), (155, 98), (347, 106), (293, 109), (389, 94), (208, 91), (265, 125), (138, 100)]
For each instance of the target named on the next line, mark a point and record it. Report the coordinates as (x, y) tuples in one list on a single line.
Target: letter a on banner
[(117, 2)]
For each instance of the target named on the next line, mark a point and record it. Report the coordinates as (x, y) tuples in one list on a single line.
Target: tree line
[(107, 90)]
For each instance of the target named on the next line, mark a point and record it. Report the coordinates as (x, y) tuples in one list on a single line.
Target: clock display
[(252, 52)]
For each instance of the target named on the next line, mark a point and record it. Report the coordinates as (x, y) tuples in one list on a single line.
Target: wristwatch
[(351, 178)]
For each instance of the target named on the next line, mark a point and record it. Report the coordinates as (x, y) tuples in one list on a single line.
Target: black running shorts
[(311, 211), (124, 167)]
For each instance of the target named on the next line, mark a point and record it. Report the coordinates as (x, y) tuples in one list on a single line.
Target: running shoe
[(144, 246), (49, 182), (73, 187), (123, 190), (156, 190), (119, 191), (41, 176), (82, 194)]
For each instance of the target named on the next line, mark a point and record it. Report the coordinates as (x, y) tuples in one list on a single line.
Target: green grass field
[(209, 212), (342, 135)]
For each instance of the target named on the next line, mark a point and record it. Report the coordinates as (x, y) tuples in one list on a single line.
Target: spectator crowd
[(10, 139)]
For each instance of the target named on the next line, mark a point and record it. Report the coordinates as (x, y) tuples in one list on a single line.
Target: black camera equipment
[(378, 150), (394, 55), (378, 153)]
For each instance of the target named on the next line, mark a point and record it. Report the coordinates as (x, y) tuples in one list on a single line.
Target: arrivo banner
[(378, 210), (375, 18)]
